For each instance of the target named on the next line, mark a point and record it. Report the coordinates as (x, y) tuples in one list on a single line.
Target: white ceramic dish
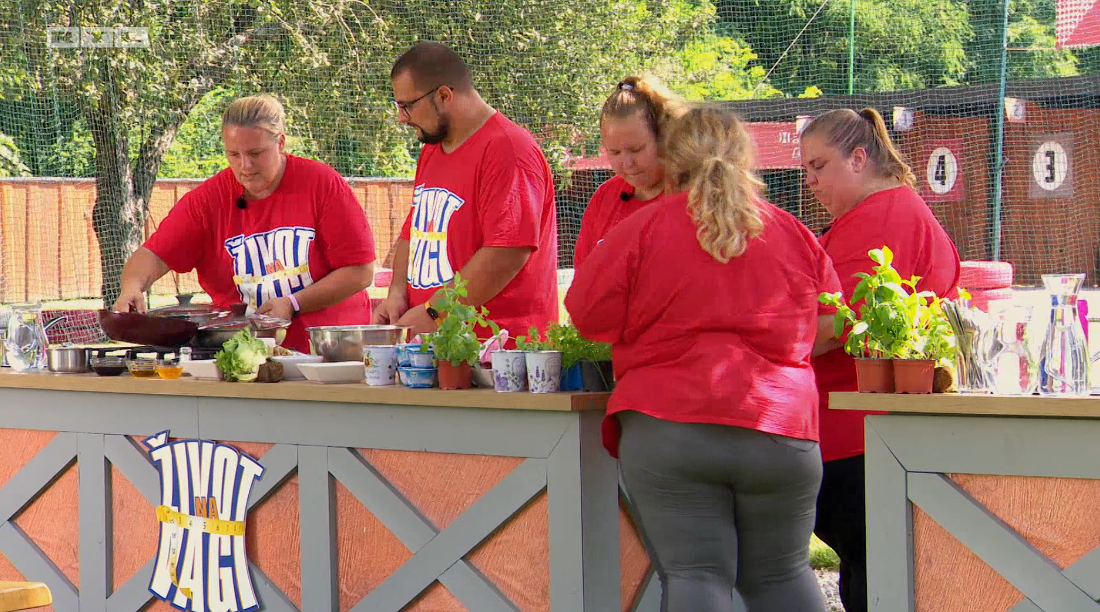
[(334, 372), (201, 369), (291, 371)]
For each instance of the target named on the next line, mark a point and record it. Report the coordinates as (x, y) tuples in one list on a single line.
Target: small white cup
[(543, 371), (381, 364), (509, 371)]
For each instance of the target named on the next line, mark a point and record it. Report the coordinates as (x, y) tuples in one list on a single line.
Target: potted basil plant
[(455, 342), (877, 320)]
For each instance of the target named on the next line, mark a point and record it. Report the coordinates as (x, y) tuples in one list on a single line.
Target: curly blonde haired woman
[(709, 297)]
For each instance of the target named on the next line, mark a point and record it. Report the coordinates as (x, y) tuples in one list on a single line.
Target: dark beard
[(440, 133)]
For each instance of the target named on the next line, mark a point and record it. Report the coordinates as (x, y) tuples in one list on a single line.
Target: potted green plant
[(878, 321), (931, 343), (543, 361), (586, 365), (455, 342)]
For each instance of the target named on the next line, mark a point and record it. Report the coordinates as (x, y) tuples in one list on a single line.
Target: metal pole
[(852, 46), (998, 164)]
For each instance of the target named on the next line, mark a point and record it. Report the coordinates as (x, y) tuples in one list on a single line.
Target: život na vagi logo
[(204, 486)]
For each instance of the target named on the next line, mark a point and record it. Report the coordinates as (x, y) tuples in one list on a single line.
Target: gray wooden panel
[(385, 502), (317, 524), (95, 524), (993, 445), (890, 585), (37, 567), (1085, 573), (463, 534), (1004, 550), (104, 413), (510, 433), (134, 593), (270, 597), (580, 474), (413, 529), (37, 474), (1025, 606), (280, 462), (650, 601), (135, 466)]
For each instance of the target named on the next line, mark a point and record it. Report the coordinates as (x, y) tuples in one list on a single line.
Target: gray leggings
[(720, 508)]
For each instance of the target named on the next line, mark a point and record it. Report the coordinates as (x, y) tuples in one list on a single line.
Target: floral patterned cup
[(509, 371), (381, 364), (543, 371)]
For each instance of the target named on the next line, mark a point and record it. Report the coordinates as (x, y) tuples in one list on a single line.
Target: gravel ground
[(828, 581)]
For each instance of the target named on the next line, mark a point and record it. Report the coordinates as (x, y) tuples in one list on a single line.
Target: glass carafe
[(25, 340), (1064, 360), (1017, 368)]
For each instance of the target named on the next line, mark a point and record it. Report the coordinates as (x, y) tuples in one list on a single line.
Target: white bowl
[(291, 371), (201, 369), (334, 372)]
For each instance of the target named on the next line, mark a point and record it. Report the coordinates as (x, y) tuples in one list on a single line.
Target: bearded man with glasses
[(483, 204)]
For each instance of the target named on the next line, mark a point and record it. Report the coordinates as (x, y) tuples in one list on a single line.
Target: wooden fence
[(49, 250)]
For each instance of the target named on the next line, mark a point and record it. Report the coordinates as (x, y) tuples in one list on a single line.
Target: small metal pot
[(67, 359)]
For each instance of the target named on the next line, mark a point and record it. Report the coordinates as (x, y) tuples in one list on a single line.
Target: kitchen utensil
[(215, 332), (196, 313), (108, 366), (142, 367), (67, 359), (977, 346), (139, 328), (341, 372), (346, 342), (1064, 360)]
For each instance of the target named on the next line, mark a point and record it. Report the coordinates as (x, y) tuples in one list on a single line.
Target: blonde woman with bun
[(709, 298), (631, 122), (282, 233)]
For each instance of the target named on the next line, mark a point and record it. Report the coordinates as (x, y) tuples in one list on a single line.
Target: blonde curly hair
[(708, 153)]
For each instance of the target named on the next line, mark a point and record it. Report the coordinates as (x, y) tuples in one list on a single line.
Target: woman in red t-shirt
[(282, 233), (630, 127), (861, 179), (709, 298)]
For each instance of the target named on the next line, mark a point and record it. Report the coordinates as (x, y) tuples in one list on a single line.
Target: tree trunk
[(118, 216)]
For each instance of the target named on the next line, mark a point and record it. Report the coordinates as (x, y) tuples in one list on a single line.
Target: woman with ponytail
[(709, 298), (859, 176), (631, 122)]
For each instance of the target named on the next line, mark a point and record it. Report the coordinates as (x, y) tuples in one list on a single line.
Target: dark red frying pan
[(139, 328)]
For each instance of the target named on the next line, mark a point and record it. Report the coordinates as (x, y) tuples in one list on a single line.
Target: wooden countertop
[(304, 391), (969, 404)]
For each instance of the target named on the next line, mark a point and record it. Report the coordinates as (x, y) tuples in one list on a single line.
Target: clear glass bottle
[(1064, 361), (1017, 367), (25, 340)]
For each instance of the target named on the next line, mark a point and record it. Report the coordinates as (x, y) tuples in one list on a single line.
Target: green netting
[(102, 103)]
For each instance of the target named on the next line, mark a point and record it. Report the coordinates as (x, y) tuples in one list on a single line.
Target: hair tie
[(626, 86)]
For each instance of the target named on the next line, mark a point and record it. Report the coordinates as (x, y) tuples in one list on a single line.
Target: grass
[(821, 556)]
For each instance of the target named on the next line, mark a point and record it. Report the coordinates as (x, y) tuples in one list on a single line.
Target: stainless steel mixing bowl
[(346, 342)]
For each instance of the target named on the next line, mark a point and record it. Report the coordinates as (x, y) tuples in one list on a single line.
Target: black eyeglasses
[(407, 106)]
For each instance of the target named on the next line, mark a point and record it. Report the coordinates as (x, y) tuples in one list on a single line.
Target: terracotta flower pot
[(914, 375), (455, 376), (875, 375)]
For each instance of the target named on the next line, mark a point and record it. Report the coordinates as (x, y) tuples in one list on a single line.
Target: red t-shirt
[(494, 190), (311, 225), (605, 210), (899, 219), (698, 341)]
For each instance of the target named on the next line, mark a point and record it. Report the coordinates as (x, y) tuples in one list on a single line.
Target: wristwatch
[(432, 312)]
